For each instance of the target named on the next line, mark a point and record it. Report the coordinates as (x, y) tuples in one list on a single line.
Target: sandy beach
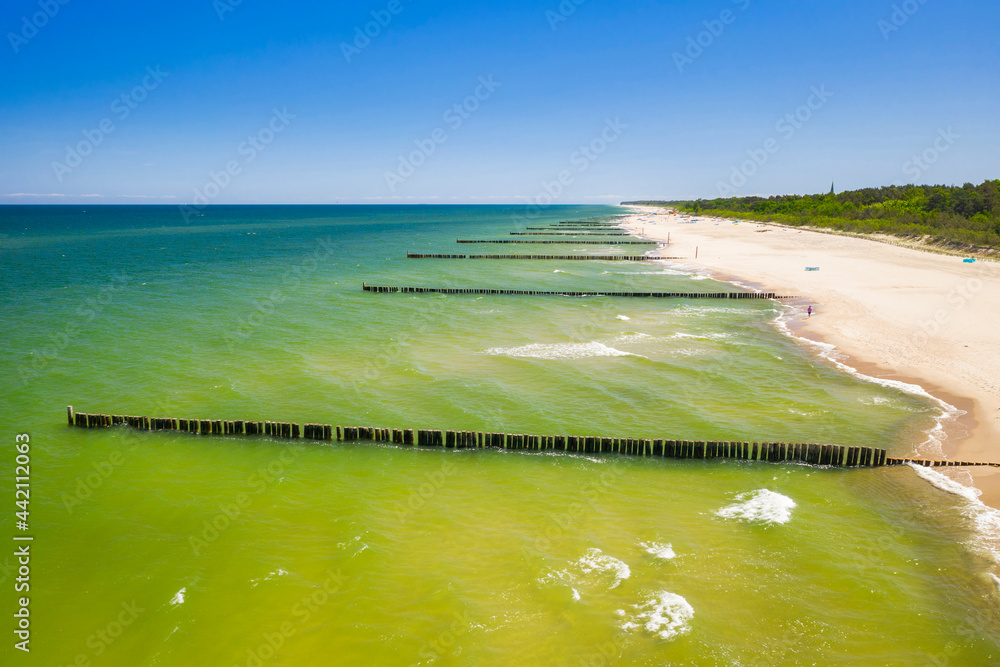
[(893, 313)]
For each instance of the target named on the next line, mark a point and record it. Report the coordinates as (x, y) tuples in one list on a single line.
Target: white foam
[(714, 337), (984, 519), (594, 570), (661, 272), (664, 551), (623, 318), (179, 597), (354, 543), (703, 311), (762, 506), (688, 352), (558, 351), (664, 614), (634, 337), (270, 577), (874, 400)]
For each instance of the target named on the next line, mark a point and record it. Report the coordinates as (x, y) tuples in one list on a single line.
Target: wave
[(559, 351), (631, 337), (663, 551), (761, 506), (984, 519), (664, 614), (270, 577), (594, 570), (730, 338), (704, 311)]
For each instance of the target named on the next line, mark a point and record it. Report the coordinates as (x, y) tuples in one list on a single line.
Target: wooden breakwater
[(771, 452), (833, 455), (606, 258), (550, 242), (385, 289), (568, 234), (581, 229)]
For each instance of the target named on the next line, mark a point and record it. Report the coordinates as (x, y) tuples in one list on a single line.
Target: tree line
[(966, 215)]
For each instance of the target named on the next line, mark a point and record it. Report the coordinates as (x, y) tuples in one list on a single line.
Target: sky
[(199, 102)]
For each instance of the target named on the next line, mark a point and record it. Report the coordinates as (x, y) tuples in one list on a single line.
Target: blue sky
[(259, 102)]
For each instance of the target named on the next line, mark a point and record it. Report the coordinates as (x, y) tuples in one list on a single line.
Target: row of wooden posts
[(607, 258), (569, 234), (772, 452), (585, 224), (543, 242), (386, 289)]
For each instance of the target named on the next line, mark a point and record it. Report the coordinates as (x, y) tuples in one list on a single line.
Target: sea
[(165, 548)]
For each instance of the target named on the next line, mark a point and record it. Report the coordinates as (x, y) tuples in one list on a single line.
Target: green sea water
[(170, 549)]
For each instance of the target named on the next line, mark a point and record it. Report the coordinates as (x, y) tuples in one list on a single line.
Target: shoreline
[(864, 298)]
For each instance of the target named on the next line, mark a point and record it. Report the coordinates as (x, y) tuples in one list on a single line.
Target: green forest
[(938, 214)]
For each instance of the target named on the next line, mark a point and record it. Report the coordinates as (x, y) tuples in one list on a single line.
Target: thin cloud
[(148, 196), (60, 195), (45, 195)]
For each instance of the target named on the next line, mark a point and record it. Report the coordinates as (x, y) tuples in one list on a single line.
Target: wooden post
[(69, 415), (825, 455)]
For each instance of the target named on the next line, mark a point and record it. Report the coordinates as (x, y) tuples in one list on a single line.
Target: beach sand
[(893, 313)]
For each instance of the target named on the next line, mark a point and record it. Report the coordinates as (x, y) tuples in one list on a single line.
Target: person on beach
[(809, 312)]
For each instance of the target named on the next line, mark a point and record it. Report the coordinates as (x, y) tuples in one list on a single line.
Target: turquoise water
[(251, 551)]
